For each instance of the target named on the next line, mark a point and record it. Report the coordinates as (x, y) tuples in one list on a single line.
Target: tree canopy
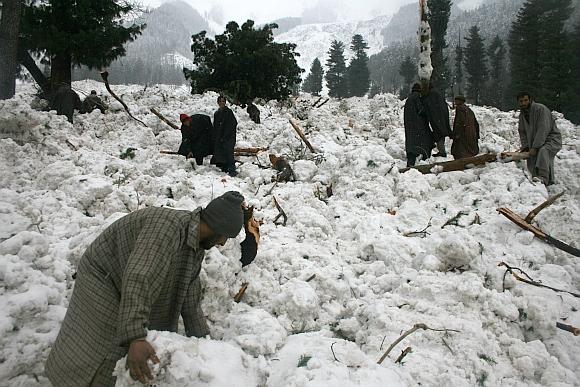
[(244, 63)]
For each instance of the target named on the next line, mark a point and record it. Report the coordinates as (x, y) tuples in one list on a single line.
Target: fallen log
[(468, 162), (105, 76), (537, 232), (302, 136), (532, 214), (162, 118), (575, 331), (237, 151)]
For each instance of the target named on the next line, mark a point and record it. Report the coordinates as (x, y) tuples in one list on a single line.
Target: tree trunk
[(9, 30), (27, 61), (60, 71)]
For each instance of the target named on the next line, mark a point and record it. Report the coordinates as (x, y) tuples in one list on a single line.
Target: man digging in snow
[(141, 273), (540, 136)]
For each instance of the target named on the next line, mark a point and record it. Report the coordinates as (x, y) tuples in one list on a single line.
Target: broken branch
[(415, 328), (241, 292), (302, 136), (532, 214), (281, 214), (455, 220), (105, 76), (422, 233), (529, 280), (569, 328), (468, 162), (404, 353), (162, 118)]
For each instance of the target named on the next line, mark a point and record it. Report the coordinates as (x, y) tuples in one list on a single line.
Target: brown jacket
[(465, 133), (141, 273)]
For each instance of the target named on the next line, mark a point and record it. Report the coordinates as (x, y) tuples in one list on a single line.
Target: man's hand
[(524, 149), (533, 151), (189, 155), (139, 352)]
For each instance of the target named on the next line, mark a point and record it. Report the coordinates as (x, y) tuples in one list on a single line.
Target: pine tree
[(538, 51), (313, 82), (475, 65), (408, 71), (358, 74), (495, 88), (438, 18), (9, 30), (76, 32), (244, 63), (459, 67), (336, 71)]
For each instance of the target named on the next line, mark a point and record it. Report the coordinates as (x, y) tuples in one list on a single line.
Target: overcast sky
[(262, 11)]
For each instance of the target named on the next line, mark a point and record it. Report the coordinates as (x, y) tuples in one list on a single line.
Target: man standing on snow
[(418, 137), (224, 124), (91, 102), (141, 273), (438, 115), (540, 136), (465, 131)]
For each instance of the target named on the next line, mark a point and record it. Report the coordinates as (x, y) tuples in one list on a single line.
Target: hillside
[(333, 288)]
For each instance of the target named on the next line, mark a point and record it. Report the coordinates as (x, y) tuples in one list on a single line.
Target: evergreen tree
[(459, 67), (313, 82), (76, 32), (571, 99), (244, 63), (408, 71), (336, 71), (538, 49), (9, 29), (475, 65), (358, 74), (438, 18), (495, 88)]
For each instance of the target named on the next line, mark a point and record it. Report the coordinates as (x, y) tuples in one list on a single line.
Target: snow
[(62, 184), (313, 40)]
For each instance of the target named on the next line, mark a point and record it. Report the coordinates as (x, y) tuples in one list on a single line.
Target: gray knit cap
[(224, 214)]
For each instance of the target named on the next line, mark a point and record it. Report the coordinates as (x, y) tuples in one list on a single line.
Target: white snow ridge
[(331, 290)]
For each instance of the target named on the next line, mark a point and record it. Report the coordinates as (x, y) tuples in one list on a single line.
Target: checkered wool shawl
[(141, 273)]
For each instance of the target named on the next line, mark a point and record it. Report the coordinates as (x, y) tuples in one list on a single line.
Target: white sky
[(262, 11)]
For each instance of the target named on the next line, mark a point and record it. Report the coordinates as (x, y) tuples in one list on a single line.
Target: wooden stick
[(241, 292), (162, 118), (415, 328), (281, 214), (421, 233), (532, 214), (404, 353), (311, 278), (105, 76), (469, 162), (323, 102), (318, 100), (302, 136), (530, 281), (569, 328)]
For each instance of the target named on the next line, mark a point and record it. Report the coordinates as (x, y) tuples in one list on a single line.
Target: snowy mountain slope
[(313, 40), (62, 184)]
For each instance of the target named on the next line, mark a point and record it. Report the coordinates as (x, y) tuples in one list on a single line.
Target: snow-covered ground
[(62, 184)]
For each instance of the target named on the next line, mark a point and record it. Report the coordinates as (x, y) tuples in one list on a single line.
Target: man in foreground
[(141, 273), (540, 136), (418, 137)]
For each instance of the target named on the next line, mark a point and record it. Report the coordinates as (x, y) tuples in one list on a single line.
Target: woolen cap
[(224, 214), (183, 117), (460, 97)]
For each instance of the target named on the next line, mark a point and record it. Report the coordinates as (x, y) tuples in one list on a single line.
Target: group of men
[(199, 138), (426, 120)]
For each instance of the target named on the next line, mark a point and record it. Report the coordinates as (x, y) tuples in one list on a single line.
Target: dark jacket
[(197, 138), (224, 132), (438, 114), (418, 137), (465, 133)]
